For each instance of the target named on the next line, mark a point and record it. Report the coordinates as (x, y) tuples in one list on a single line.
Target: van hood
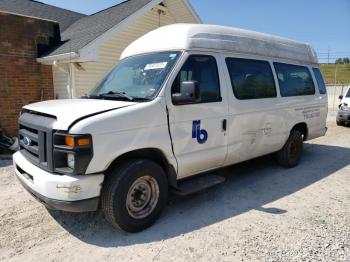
[(345, 100), (70, 110)]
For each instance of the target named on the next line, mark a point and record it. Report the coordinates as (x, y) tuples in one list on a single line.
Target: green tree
[(344, 60), (339, 61)]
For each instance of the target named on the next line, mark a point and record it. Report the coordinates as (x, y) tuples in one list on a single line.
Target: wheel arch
[(302, 128), (153, 154)]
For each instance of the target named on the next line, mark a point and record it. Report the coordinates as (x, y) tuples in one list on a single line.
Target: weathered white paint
[(78, 108), (223, 38), (253, 128), (54, 186)]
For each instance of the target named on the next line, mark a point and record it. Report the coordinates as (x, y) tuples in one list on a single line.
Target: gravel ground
[(262, 213)]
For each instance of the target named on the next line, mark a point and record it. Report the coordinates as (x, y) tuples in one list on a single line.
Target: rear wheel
[(134, 194), (291, 152)]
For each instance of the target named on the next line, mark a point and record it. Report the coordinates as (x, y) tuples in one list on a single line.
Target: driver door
[(199, 130)]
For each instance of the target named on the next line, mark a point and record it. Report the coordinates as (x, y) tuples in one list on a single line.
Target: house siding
[(61, 78), (179, 10)]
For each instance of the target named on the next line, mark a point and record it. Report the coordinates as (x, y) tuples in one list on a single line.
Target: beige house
[(92, 45)]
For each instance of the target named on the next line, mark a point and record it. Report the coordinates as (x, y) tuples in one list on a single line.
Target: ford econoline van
[(183, 101)]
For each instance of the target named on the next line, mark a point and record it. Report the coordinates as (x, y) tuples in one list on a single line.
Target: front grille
[(35, 139), (33, 142)]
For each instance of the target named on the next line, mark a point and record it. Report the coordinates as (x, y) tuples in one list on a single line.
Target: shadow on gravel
[(5, 163), (249, 185)]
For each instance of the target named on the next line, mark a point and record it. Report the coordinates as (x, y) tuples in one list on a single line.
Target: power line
[(325, 52), (333, 53), (330, 57)]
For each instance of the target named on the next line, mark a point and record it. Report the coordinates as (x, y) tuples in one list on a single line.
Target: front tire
[(289, 156), (340, 123), (134, 195)]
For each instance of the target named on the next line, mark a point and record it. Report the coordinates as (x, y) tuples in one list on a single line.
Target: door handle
[(224, 125)]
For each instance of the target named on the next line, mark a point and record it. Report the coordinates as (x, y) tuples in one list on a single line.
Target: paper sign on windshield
[(156, 66)]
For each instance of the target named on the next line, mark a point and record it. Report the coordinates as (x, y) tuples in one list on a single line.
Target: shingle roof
[(40, 10), (88, 28)]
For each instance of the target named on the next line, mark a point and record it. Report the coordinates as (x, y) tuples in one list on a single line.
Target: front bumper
[(343, 116), (61, 192), (68, 206)]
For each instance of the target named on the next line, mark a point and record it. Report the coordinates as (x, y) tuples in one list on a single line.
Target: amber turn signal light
[(69, 141), (83, 141), (73, 142)]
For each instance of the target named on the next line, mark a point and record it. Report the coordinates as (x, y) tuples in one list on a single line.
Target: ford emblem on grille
[(26, 141)]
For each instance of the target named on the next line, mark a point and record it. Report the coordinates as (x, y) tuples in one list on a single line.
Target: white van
[(343, 115), (184, 100)]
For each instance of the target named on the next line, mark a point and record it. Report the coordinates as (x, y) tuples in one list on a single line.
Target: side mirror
[(341, 97), (189, 93)]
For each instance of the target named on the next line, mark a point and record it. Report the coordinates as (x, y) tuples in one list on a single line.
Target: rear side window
[(294, 80), (201, 68), (320, 82), (251, 79)]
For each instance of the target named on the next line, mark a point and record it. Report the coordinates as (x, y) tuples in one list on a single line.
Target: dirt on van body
[(262, 213)]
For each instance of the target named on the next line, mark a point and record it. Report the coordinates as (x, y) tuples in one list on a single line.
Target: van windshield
[(136, 78)]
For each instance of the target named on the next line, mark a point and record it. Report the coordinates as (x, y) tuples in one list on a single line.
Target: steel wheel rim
[(142, 197)]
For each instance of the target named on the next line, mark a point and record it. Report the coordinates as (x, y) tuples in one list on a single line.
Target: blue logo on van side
[(197, 132)]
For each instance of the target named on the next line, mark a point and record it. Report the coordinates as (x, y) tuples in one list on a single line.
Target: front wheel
[(340, 123), (291, 152), (134, 194)]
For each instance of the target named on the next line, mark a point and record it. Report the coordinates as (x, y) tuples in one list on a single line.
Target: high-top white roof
[(220, 38)]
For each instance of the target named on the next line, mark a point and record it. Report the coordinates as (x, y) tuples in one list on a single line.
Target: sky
[(325, 24)]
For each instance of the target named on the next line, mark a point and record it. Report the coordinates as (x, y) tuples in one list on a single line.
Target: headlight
[(72, 153), (70, 160), (344, 107)]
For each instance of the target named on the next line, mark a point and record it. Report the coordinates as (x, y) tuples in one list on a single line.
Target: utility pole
[(328, 55)]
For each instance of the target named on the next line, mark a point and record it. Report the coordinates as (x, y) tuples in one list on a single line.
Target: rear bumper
[(61, 192), (316, 132)]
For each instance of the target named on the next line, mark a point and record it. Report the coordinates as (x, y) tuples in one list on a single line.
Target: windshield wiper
[(117, 94), (113, 94), (141, 99)]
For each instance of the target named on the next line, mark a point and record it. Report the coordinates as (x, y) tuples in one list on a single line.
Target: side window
[(294, 80), (204, 70), (320, 81), (251, 79)]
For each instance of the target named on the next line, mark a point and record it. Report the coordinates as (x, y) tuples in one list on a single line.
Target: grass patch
[(336, 73)]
